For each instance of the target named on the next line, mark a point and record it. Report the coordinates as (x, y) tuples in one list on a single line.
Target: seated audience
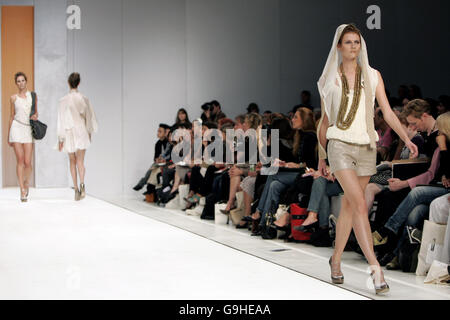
[(304, 150), (407, 213)]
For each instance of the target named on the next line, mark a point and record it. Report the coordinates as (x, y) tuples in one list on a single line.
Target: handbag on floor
[(409, 250), (432, 244), (38, 128)]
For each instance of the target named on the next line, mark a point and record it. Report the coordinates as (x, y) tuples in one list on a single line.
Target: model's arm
[(322, 136), (11, 118), (391, 118)]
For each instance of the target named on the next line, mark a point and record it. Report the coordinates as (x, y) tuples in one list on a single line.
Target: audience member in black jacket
[(160, 147)]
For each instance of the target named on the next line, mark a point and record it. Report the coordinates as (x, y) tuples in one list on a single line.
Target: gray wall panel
[(233, 54), (154, 78)]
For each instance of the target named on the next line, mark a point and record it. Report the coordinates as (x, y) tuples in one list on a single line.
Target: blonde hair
[(443, 124), (254, 120)]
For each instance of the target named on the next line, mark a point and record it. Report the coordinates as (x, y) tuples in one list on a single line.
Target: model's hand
[(323, 168), (35, 117), (397, 184), (61, 145), (414, 152)]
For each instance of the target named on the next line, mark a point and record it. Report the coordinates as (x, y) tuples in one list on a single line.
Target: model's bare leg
[(235, 181), (371, 191), (28, 155), (354, 188), (80, 164), (20, 166), (343, 229), (73, 169)]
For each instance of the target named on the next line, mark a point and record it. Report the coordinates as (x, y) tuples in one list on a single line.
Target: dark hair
[(253, 107), (309, 125), (206, 106), (268, 111), (74, 80), (284, 127), (351, 28), (177, 120), (20, 74), (215, 103), (164, 126)]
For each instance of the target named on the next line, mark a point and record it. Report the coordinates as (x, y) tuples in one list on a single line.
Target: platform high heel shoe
[(23, 196), (82, 191), (335, 277), (77, 194), (380, 287)]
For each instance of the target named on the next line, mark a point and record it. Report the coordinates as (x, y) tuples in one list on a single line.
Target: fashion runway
[(55, 248)]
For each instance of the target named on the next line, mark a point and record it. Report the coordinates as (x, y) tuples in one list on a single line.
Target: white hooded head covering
[(328, 79)]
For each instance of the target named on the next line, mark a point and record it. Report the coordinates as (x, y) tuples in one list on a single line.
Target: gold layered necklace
[(344, 124)]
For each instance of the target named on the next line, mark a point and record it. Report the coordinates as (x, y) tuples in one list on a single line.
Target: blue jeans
[(417, 196), (319, 202), (415, 219), (275, 184)]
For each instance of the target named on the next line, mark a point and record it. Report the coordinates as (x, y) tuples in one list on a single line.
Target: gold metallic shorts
[(361, 158)]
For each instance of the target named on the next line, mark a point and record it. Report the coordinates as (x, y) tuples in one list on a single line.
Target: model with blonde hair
[(20, 134), (348, 88)]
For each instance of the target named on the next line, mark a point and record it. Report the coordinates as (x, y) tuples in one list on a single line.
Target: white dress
[(20, 131), (76, 121)]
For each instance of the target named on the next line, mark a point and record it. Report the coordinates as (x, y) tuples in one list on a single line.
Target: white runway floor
[(55, 248)]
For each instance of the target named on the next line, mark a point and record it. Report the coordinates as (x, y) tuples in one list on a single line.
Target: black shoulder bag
[(38, 128)]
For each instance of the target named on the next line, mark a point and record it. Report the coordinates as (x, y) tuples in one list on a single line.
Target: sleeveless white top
[(20, 131), (23, 108), (357, 133)]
